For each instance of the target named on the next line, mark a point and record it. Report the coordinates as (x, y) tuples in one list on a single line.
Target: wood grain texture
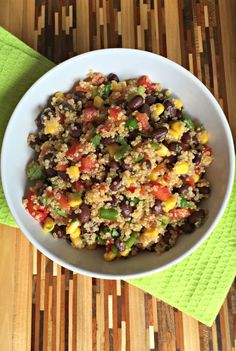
[(45, 307)]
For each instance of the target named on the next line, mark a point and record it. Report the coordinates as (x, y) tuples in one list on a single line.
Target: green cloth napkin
[(197, 285)]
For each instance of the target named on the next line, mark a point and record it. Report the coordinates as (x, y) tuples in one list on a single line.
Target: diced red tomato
[(197, 170), (190, 181), (35, 209), (114, 111), (106, 127), (98, 78), (131, 188), (178, 213), (61, 166), (166, 177), (160, 191), (145, 81), (74, 152), (207, 150), (78, 88), (144, 120), (142, 189), (90, 114), (62, 118), (63, 201), (87, 164), (79, 186)]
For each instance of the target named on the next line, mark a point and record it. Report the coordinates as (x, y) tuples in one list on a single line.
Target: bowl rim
[(89, 273)]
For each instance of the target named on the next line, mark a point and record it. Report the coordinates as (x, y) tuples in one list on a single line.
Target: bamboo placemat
[(73, 312)]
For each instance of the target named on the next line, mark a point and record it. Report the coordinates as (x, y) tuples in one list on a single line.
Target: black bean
[(78, 96), (120, 245), (197, 158), (204, 190), (75, 133), (50, 172), (114, 164), (174, 146), (157, 209), (42, 138), (185, 147), (195, 141), (166, 238), (178, 114), (125, 166), (135, 103), (150, 100), (188, 227), (33, 144), (85, 213), (148, 164), (63, 175), (41, 190), (159, 133), (113, 76), (132, 135), (183, 189), (39, 122), (48, 156), (59, 231), (167, 104), (186, 138), (116, 184), (108, 140), (172, 159), (113, 201), (196, 216), (126, 209), (145, 109)]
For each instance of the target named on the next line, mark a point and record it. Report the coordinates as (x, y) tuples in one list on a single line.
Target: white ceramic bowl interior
[(127, 63)]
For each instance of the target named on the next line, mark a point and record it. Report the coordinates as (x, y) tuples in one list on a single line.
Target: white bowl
[(198, 102)]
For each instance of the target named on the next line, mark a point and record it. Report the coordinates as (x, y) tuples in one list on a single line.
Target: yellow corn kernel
[(71, 228), (162, 181), (148, 236), (116, 86), (131, 180), (48, 224), (157, 109), (178, 103), (75, 234), (59, 94), (98, 102), (51, 126), (77, 242), (162, 151), (113, 148), (125, 252), (181, 168), (173, 134), (89, 198), (74, 199), (73, 172), (203, 137), (169, 204), (153, 176), (109, 256), (196, 177), (178, 127)]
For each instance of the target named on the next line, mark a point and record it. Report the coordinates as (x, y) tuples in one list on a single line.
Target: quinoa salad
[(117, 164)]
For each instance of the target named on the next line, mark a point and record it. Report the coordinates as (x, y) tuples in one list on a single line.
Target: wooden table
[(44, 306)]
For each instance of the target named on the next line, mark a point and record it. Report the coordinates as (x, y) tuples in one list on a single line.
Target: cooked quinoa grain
[(117, 164)]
